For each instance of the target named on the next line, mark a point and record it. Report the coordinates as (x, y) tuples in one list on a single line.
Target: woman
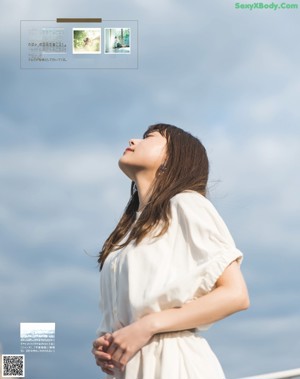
[(169, 269)]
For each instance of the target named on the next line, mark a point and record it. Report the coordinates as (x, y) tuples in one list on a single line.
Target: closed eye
[(151, 134)]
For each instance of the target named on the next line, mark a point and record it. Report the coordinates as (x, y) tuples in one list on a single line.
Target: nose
[(133, 141)]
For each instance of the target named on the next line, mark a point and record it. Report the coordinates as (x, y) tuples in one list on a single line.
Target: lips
[(128, 149)]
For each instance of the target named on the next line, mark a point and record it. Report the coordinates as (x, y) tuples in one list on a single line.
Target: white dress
[(166, 272)]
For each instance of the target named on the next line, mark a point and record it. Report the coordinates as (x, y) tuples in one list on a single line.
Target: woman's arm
[(229, 296)]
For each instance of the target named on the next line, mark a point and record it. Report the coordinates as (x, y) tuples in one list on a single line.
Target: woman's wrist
[(150, 323), (159, 322)]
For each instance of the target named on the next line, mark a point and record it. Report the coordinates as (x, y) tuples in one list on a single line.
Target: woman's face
[(144, 156)]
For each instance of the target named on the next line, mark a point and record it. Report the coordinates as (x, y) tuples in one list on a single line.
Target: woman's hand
[(103, 359), (126, 342)]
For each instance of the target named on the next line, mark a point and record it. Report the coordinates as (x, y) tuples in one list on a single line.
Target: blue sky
[(231, 77)]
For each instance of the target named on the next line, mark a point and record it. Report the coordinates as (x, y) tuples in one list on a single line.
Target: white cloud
[(256, 345), (30, 294), (61, 194), (258, 186)]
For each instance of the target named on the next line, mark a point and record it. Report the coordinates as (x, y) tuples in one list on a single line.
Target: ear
[(162, 168)]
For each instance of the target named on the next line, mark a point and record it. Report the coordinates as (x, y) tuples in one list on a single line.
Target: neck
[(144, 187)]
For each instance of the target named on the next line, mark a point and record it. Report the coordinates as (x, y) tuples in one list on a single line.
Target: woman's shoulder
[(191, 198), (192, 205), (196, 211)]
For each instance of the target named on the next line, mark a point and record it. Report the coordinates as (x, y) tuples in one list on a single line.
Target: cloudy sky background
[(231, 77)]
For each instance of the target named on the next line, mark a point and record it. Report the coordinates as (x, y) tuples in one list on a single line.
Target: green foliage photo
[(79, 36)]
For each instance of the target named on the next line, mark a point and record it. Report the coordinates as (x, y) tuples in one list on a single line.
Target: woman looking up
[(169, 269)]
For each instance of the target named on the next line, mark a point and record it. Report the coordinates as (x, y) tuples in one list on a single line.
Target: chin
[(125, 168), (121, 164)]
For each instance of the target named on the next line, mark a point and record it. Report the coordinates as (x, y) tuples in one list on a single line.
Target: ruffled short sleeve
[(210, 244)]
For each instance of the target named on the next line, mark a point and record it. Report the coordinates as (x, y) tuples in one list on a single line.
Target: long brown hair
[(186, 168)]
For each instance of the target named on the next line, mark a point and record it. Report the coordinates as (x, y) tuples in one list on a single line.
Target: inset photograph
[(117, 41), (86, 40)]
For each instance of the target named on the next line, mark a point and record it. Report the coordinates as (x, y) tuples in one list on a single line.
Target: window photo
[(117, 41)]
